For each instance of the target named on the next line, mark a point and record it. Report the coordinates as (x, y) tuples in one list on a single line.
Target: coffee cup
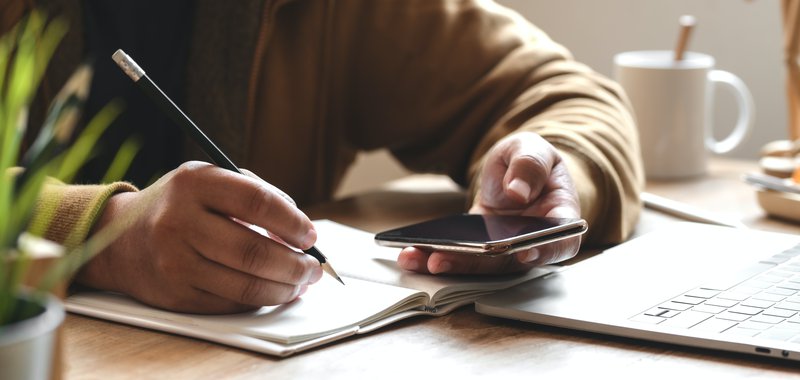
[(673, 103)]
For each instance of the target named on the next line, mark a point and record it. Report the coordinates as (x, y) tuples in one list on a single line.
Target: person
[(293, 90)]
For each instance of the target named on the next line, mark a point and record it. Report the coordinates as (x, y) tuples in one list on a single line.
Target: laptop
[(690, 284)]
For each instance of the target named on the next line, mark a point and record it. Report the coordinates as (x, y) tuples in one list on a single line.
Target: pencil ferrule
[(128, 65)]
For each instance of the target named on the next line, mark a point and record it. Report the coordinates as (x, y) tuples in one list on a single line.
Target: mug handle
[(746, 112)]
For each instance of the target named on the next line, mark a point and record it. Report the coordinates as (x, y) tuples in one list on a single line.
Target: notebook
[(377, 293), (690, 284)]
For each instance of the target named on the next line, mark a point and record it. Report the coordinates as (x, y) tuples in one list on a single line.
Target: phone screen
[(473, 233)]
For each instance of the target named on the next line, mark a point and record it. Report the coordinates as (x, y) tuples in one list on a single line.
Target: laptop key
[(777, 259), (714, 325), (754, 325), (721, 302), (659, 312), (675, 306), (688, 300), (734, 296), (757, 303), (749, 288), (702, 293), (727, 315), (686, 319), (768, 297), (778, 312), (793, 306), (708, 309), (789, 285), (760, 283), (794, 251), (771, 319), (780, 273), (780, 291), (739, 309), (791, 268)]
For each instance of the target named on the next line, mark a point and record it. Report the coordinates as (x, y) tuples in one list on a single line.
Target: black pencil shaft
[(174, 112), (315, 253), (167, 106), (220, 159)]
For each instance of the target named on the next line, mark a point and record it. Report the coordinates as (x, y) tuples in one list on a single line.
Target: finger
[(530, 163), (413, 259), (247, 199), (563, 197), (241, 287), (224, 241), (455, 263), (271, 186), (516, 171), (201, 302), (550, 253)]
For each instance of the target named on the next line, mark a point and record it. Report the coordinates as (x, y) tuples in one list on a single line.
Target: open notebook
[(377, 293)]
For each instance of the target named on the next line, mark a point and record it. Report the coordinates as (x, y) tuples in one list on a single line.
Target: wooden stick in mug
[(687, 23), (791, 46)]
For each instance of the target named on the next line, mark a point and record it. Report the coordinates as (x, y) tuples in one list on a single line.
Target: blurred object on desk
[(780, 158), (686, 212), (769, 182), (779, 197), (779, 204)]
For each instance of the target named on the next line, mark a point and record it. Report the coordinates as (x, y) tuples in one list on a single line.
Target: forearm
[(585, 116), (495, 75)]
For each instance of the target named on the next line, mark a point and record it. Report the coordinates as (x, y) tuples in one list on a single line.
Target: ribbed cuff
[(66, 213)]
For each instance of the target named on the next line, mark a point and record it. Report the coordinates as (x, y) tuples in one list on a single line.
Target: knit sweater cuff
[(66, 213)]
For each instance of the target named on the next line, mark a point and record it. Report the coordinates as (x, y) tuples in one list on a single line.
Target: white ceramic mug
[(673, 103)]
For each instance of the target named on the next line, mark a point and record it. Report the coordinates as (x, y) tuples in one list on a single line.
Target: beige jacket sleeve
[(442, 81)]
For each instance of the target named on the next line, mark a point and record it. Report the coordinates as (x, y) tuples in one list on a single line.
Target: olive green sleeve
[(66, 213)]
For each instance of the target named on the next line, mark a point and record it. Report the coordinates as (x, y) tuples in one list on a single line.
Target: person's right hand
[(187, 254)]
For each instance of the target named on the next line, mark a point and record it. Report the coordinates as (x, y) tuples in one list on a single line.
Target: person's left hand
[(523, 175)]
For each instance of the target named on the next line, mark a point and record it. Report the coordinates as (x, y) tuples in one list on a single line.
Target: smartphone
[(485, 235)]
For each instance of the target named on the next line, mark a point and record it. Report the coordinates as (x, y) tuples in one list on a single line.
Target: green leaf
[(24, 55), (82, 148), (122, 160)]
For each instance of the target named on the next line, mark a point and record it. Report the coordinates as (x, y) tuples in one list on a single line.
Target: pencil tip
[(329, 269)]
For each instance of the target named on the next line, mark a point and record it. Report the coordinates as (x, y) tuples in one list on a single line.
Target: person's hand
[(188, 254), (523, 175)]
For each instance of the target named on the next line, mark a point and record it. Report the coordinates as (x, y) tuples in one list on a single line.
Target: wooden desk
[(462, 343)]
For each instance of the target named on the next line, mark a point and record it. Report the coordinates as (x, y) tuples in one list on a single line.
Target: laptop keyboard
[(761, 301)]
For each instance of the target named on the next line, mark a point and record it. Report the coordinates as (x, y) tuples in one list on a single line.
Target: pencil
[(685, 211), (129, 66)]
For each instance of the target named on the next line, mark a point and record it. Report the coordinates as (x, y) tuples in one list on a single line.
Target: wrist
[(103, 270)]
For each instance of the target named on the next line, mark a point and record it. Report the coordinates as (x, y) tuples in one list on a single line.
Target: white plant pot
[(27, 346)]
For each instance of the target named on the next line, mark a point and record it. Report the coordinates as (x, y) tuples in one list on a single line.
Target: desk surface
[(463, 342)]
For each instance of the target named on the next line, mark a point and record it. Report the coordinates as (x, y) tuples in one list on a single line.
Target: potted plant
[(32, 268)]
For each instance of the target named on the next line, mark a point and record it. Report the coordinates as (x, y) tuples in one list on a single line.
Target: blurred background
[(745, 37)]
